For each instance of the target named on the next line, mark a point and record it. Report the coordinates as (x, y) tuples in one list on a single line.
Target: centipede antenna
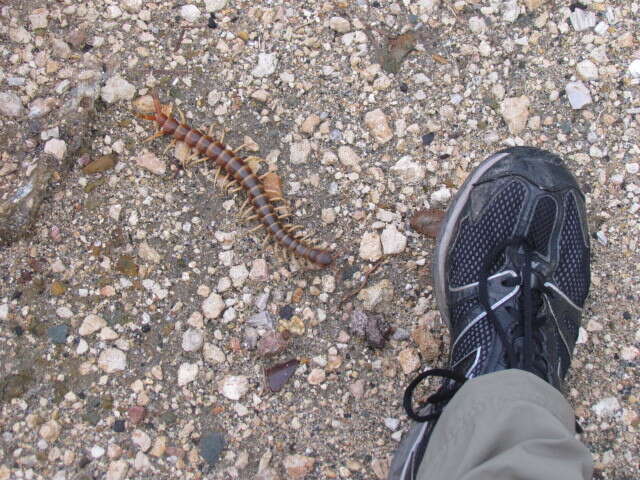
[(244, 145), (235, 190)]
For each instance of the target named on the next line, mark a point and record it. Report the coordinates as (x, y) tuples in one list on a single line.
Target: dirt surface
[(132, 298)]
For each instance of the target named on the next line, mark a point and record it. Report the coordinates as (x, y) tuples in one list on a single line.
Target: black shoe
[(511, 274)]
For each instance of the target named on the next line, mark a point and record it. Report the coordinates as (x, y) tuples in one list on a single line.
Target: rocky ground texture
[(139, 315)]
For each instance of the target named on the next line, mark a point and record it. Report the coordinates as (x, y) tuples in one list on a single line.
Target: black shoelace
[(525, 357)]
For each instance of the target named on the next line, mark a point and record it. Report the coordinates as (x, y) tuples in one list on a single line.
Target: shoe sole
[(449, 228)]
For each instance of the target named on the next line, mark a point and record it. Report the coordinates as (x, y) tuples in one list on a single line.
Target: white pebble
[(233, 387), (266, 66), (190, 13), (578, 95), (192, 340), (187, 373)]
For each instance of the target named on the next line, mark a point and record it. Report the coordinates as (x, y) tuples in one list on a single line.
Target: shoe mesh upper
[(572, 274), (541, 225), (480, 336), (477, 238)]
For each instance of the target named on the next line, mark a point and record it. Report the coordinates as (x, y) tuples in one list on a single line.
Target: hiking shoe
[(511, 275)]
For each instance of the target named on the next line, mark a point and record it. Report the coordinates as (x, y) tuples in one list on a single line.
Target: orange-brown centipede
[(237, 168)]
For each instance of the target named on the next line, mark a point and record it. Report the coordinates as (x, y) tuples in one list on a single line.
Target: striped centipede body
[(236, 167)]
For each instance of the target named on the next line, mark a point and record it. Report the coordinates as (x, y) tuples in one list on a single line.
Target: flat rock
[(300, 151), (149, 161), (213, 306), (192, 340), (298, 466), (267, 63), (349, 158), (606, 407), (58, 334), (211, 446), (381, 292), (409, 360), (91, 324), (339, 24), (117, 470), (56, 147), (578, 95), (187, 373), (393, 241), (190, 13), (515, 111)]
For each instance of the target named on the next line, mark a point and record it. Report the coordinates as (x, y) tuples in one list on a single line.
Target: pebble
[(141, 439), (192, 340), (91, 324), (50, 431), (190, 13), (339, 24), (375, 294), (97, 451), (4, 311), (477, 25), (606, 407), (112, 360), (136, 414), (310, 124), (212, 353), (132, 6), (259, 270), (582, 19), (377, 122), (266, 66), (233, 387), (632, 167), (357, 389), (510, 11), (261, 320), (393, 241), (58, 334), (441, 196), (634, 68), (587, 70), (298, 466), (146, 252), (271, 343), (40, 107), (392, 423), (515, 111), (38, 18), (214, 5), (409, 360), (213, 306), (56, 147), (629, 353), (117, 470), (187, 373), (149, 161), (238, 274), (316, 376), (300, 151), (211, 445), (116, 89), (349, 158), (578, 95), (370, 247), (408, 170)]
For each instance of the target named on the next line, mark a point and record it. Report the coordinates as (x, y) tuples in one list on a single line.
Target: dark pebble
[(404, 88), (566, 127), (118, 426), (286, 312), (428, 138), (18, 330), (376, 4), (211, 446), (212, 21), (58, 334), (146, 328)]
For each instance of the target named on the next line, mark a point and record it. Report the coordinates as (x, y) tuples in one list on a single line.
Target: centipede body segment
[(236, 167)]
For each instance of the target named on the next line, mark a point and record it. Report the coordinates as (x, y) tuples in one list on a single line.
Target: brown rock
[(409, 360), (136, 414), (427, 221), (298, 466), (278, 375), (101, 164), (427, 343), (58, 288)]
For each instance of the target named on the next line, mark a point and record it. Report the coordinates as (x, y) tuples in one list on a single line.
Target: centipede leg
[(182, 117), (172, 143), (159, 133), (255, 229)]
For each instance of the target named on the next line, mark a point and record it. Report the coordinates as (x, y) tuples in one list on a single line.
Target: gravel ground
[(133, 293)]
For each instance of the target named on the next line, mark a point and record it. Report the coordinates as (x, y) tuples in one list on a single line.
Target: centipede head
[(159, 116)]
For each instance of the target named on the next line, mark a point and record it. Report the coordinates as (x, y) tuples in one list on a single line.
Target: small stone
[(408, 170), (477, 25), (187, 373), (56, 147), (629, 353), (634, 68), (211, 446), (409, 360), (578, 95), (278, 375), (594, 326), (441, 196), (582, 19), (91, 324), (339, 24), (370, 247), (233, 387), (116, 89), (112, 360), (192, 340), (632, 167), (50, 431), (266, 66), (38, 18), (58, 334), (393, 242), (117, 470), (515, 111), (214, 5), (392, 423), (77, 38), (349, 158), (606, 407), (587, 70), (100, 164), (272, 343), (97, 451), (310, 124), (136, 414), (213, 306), (146, 252), (259, 271), (132, 6), (377, 122), (141, 440), (510, 11), (190, 13), (40, 107), (300, 151), (149, 161), (533, 4), (316, 377), (298, 466), (357, 389), (58, 288), (239, 275), (212, 353), (263, 319), (381, 292), (427, 343), (4, 311)]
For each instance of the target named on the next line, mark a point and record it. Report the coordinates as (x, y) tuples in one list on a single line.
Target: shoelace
[(528, 359)]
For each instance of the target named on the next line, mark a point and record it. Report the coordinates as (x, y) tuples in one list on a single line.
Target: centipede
[(238, 171)]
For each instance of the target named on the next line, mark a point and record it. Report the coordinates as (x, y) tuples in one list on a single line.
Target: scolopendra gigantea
[(234, 166)]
